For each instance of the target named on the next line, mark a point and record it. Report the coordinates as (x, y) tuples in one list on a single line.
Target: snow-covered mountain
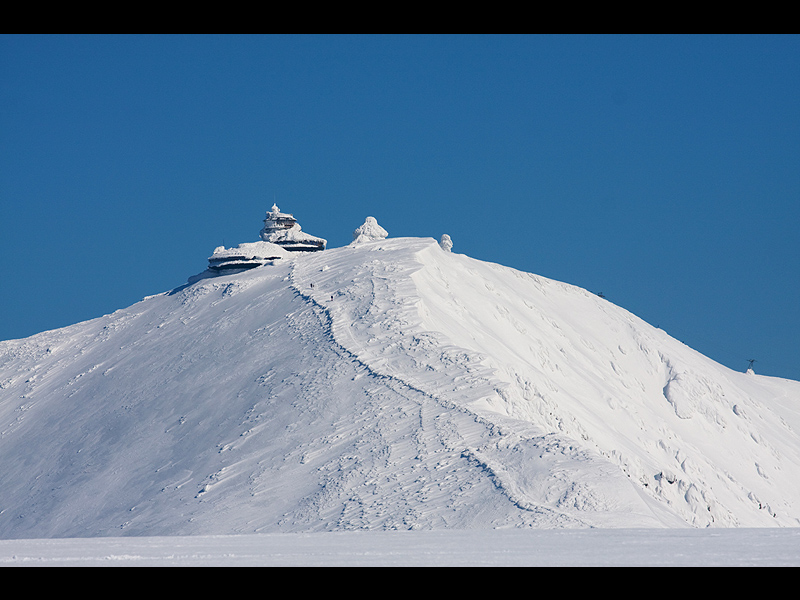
[(389, 384)]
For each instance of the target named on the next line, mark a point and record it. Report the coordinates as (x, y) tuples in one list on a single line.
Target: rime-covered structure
[(369, 231), (281, 234), (284, 230), (245, 256)]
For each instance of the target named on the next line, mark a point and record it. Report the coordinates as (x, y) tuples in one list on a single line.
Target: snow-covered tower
[(281, 234), (284, 230), (369, 231)]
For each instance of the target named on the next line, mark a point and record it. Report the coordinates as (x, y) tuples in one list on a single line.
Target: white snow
[(446, 243), (293, 234), (282, 228), (369, 231), (439, 548), (244, 256), (254, 250), (384, 386)]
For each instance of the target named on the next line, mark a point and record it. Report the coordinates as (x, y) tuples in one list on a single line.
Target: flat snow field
[(498, 548)]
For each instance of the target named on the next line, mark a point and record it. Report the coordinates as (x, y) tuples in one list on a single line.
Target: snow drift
[(389, 384)]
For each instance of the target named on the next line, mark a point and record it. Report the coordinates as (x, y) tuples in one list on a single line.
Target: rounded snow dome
[(369, 231)]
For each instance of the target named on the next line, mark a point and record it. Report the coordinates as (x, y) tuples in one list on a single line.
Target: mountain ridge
[(388, 384)]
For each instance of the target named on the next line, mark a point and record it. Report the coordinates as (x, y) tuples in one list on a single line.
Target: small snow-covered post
[(446, 243), (369, 231)]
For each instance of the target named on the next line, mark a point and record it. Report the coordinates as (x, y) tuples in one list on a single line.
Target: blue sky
[(661, 171)]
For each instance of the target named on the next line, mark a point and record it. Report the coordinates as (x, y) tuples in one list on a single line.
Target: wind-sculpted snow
[(537, 357), (578, 366), (385, 385), (378, 307)]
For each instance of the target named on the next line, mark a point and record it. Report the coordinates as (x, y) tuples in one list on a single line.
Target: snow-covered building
[(281, 234), (284, 230), (245, 256)]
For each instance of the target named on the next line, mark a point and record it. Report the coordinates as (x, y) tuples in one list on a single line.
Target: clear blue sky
[(663, 172)]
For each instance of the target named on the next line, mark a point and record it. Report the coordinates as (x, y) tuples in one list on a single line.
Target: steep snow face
[(716, 446), (560, 368), (385, 385)]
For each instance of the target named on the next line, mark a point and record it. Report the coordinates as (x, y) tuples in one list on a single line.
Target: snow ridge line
[(503, 482), (492, 425), (323, 312)]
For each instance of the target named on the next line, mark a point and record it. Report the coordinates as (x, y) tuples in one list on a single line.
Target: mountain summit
[(389, 384)]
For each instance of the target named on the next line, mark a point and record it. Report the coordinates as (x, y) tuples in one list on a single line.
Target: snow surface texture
[(436, 548), (385, 385)]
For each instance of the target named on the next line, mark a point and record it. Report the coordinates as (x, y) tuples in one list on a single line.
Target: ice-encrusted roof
[(255, 250), (283, 229), (245, 256), (280, 236)]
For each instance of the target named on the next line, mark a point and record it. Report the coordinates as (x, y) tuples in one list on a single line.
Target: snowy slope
[(385, 385)]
